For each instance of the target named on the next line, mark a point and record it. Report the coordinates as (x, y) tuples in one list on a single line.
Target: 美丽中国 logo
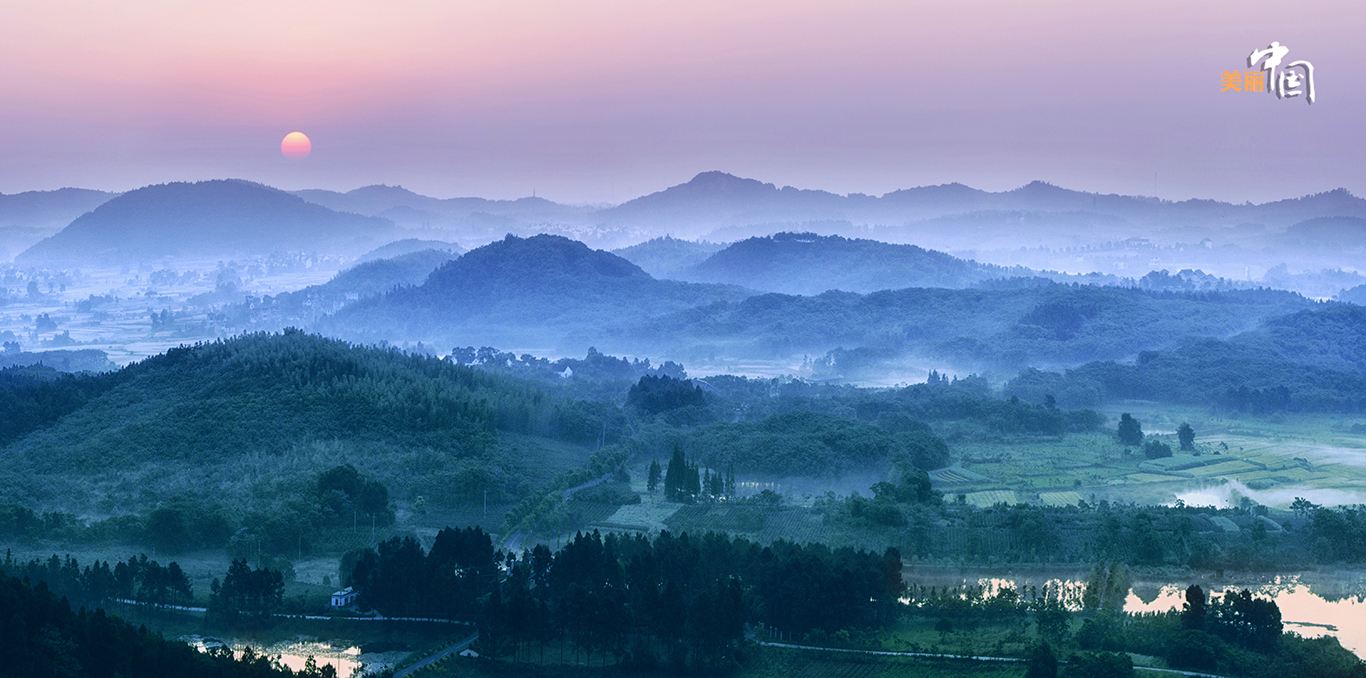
[(1285, 80)]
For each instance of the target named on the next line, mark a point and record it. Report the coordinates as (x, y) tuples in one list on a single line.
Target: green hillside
[(233, 419)]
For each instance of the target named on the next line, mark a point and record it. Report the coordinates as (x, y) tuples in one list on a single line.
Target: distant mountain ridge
[(48, 209), (209, 218), (545, 286), (807, 263), (717, 197)]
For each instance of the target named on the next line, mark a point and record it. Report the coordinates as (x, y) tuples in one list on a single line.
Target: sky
[(599, 101)]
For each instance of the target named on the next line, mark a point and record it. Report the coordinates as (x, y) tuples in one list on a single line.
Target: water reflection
[(1312, 604), (1302, 610), (295, 654)]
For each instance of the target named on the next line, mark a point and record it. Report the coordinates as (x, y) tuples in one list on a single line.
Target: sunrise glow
[(296, 146)]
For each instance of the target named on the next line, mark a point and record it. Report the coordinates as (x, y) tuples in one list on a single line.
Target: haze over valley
[(630, 340)]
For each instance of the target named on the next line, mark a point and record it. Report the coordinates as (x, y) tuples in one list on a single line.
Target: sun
[(296, 146)]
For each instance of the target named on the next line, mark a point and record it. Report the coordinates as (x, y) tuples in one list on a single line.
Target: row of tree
[(686, 481), (138, 579), (678, 599)]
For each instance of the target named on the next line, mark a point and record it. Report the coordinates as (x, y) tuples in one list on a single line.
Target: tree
[(247, 592), (1193, 611), (166, 530), (1193, 650), (1042, 663), (1186, 435), (656, 394), (655, 472), (1302, 507), (1156, 449), (1051, 620), (1130, 432), (1100, 665), (1254, 623), (675, 480)]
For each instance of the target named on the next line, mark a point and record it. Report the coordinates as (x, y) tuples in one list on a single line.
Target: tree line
[(668, 600)]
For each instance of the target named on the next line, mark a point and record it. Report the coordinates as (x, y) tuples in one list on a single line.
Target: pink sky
[(600, 101)]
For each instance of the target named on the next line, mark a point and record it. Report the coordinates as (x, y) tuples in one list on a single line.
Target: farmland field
[(1322, 458)]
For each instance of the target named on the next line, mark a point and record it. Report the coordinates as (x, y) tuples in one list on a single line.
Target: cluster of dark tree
[(24, 524), (885, 508), (451, 580), (969, 404), (343, 492), (41, 636), (688, 482), (136, 579), (656, 394), (1335, 535), (593, 367), (1130, 433), (1307, 361), (339, 497), (246, 595), (676, 600)]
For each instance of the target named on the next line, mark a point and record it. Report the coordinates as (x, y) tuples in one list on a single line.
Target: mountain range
[(210, 217)]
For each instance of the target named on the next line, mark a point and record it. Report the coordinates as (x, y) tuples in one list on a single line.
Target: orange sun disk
[(296, 145)]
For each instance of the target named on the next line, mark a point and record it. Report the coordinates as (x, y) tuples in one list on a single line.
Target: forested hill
[(367, 279), (268, 404), (521, 292), (1010, 323), (806, 263), (1312, 360), (205, 219)]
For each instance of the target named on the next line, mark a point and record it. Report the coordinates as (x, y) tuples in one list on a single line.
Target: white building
[(344, 597)]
